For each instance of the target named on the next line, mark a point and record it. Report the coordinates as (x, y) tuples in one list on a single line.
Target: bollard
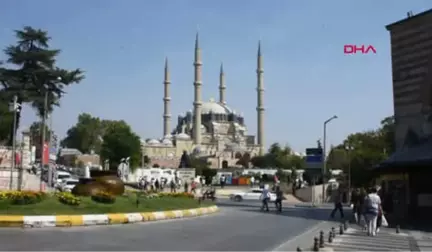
[(316, 245), (397, 229), (299, 249), (330, 239), (341, 230), (321, 239), (346, 225), (333, 230)]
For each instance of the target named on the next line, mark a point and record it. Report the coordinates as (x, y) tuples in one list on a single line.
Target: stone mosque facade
[(218, 134)]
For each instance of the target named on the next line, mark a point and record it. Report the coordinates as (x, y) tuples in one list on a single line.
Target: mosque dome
[(182, 136), (166, 141), (153, 141), (214, 107), (169, 136)]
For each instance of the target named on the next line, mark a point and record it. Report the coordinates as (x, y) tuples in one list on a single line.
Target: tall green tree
[(279, 157), (366, 149), (86, 135), (6, 119), (119, 141), (33, 72)]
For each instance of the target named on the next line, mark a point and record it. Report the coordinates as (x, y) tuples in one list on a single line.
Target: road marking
[(286, 245)]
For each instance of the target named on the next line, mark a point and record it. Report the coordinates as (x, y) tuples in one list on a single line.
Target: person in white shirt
[(265, 197), (372, 208)]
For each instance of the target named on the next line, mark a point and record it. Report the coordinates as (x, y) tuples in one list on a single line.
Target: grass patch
[(123, 204)]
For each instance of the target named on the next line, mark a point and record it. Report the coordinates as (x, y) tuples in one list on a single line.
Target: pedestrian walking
[(279, 197), (265, 197), (372, 209), (337, 204)]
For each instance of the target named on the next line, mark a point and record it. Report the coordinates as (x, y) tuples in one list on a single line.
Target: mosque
[(218, 135)]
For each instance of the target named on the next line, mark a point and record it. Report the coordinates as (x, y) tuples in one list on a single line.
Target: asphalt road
[(237, 227)]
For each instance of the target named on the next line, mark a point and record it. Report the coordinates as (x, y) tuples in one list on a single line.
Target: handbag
[(384, 222)]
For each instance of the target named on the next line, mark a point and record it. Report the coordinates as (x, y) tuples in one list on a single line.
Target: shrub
[(177, 195), (104, 197), (23, 197), (68, 198)]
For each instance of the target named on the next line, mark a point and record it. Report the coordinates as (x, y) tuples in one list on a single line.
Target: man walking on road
[(279, 197), (337, 204), (265, 197)]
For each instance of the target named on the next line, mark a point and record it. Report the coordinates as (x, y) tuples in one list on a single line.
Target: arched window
[(224, 164)]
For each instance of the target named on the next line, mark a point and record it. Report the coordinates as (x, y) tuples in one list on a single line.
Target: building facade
[(411, 52), (212, 130), (405, 176)]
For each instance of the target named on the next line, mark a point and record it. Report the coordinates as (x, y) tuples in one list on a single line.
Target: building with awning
[(406, 176)]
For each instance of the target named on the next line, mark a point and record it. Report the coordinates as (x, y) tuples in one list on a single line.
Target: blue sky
[(122, 45)]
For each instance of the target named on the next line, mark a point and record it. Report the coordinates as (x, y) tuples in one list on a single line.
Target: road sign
[(314, 158)]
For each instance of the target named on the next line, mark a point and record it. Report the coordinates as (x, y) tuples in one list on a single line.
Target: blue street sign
[(314, 158)]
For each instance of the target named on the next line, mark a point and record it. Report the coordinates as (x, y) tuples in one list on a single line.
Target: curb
[(40, 221)]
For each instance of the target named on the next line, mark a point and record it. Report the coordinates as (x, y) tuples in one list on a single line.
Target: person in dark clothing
[(279, 197), (355, 202), (173, 186), (337, 205), (186, 187)]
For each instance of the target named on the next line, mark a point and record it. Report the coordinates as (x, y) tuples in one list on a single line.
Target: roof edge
[(389, 26)]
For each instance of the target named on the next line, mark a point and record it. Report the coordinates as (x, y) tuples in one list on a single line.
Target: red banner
[(46, 153)]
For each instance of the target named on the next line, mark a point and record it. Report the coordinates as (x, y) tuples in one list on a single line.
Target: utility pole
[(14, 107), (43, 138), (324, 169)]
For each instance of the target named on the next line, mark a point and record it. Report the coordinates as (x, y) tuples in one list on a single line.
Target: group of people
[(154, 184), (266, 196), (367, 209)]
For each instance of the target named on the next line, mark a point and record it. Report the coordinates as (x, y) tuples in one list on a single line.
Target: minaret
[(222, 86), (167, 100), (197, 98), (260, 102)]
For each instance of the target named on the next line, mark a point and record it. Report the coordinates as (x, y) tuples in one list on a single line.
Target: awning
[(419, 154)]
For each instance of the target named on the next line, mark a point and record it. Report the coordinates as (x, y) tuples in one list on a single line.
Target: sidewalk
[(423, 240), (355, 239)]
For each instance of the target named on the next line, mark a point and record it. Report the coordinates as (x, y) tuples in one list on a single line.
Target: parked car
[(251, 194), (68, 184), (59, 177)]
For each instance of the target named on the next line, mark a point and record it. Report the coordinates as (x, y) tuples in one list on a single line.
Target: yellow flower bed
[(22, 197), (68, 199)]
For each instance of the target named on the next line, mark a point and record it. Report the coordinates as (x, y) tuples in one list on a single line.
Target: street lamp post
[(325, 155), (349, 148), (14, 107)]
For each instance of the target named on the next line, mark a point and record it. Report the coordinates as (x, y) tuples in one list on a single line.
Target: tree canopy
[(30, 71), (86, 135), (110, 139), (279, 157), (120, 142), (363, 150)]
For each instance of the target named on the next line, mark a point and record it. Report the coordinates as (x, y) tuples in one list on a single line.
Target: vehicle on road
[(68, 184), (251, 194), (60, 176)]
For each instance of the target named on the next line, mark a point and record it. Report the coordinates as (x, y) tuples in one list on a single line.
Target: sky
[(122, 45)]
